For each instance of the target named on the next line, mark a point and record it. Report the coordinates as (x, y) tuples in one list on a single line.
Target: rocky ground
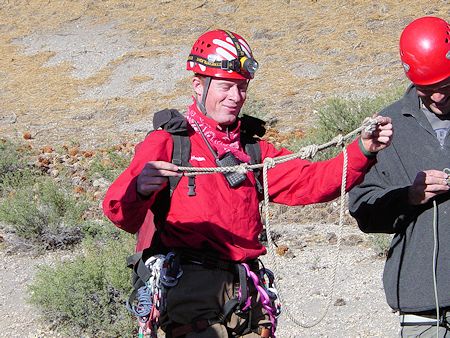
[(354, 301), (87, 74)]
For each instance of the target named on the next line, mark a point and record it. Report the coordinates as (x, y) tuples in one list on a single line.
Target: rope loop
[(269, 162), (309, 151), (369, 124)]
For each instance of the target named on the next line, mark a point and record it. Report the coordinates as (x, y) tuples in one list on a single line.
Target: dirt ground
[(92, 73), (357, 308)]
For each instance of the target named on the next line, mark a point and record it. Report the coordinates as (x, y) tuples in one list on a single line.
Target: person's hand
[(427, 184), (381, 137), (154, 176)]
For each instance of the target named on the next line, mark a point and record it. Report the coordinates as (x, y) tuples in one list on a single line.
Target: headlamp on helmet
[(222, 54)]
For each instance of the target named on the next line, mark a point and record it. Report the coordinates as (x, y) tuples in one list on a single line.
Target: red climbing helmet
[(223, 54), (425, 50)]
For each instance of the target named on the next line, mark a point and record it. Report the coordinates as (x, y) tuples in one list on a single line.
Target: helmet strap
[(201, 105)]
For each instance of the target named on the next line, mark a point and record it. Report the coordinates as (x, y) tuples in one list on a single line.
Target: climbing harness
[(161, 272), (268, 295)]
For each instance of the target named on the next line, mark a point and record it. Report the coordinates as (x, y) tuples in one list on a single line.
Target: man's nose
[(437, 97)]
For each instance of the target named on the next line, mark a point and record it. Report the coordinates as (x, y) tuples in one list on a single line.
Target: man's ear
[(197, 85)]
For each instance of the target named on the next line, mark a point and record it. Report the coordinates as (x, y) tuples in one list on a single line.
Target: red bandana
[(221, 141)]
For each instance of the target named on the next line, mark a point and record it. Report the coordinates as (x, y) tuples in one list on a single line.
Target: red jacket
[(219, 217)]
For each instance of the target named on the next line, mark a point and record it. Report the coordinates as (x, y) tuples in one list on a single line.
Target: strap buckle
[(233, 65)]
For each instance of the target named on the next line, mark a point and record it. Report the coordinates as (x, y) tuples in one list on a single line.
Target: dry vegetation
[(308, 51)]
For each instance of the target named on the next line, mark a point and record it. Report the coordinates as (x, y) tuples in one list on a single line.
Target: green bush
[(87, 295), (14, 168), (109, 165), (341, 116), (10, 158), (380, 243), (44, 212)]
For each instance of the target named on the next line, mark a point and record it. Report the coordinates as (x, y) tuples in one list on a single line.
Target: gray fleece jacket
[(380, 204)]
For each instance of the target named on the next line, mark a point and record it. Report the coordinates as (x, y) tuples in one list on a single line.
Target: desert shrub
[(86, 296), (14, 165), (255, 108), (43, 211), (10, 158), (108, 165), (380, 243), (341, 116)]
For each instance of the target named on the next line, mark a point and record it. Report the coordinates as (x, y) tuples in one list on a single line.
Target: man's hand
[(153, 177), (380, 138), (427, 184)]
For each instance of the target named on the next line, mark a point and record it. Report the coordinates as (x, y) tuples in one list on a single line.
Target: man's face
[(436, 97), (225, 99)]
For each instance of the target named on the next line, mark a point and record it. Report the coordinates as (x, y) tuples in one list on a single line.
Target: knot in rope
[(242, 168), (339, 139), (269, 162), (309, 151), (369, 124)]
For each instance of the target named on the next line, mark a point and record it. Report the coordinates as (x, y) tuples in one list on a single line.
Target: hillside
[(94, 72)]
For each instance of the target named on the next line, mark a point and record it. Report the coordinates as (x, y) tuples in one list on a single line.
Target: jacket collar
[(412, 103)]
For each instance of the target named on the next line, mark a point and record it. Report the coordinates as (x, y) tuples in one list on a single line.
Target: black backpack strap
[(172, 121), (252, 129), (180, 156), (254, 151)]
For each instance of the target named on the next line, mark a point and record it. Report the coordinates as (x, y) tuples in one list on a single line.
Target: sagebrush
[(87, 294)]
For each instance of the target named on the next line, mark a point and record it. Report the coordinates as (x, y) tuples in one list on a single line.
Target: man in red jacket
[(220, 222)]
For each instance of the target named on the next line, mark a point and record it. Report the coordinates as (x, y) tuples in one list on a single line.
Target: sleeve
[(301, 182), (122, 204), (380, 202)]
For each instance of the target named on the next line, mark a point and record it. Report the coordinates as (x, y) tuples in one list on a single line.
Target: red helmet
[(425, 50), (223, 54)]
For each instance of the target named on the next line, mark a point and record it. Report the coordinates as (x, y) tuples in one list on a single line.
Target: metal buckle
[(233, 65)]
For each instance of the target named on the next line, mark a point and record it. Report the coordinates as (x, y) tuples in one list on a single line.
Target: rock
[(340, 302)]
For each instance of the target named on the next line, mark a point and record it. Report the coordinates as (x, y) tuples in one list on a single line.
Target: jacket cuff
[(366, 153)]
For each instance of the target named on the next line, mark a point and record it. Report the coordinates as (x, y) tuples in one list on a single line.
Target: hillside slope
[(94, 72)]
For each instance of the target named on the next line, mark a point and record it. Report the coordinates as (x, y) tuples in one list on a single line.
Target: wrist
[(363, 149)]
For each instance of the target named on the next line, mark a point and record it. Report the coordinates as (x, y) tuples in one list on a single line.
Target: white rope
[(271, 256), (305, 152), (435, 248)]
